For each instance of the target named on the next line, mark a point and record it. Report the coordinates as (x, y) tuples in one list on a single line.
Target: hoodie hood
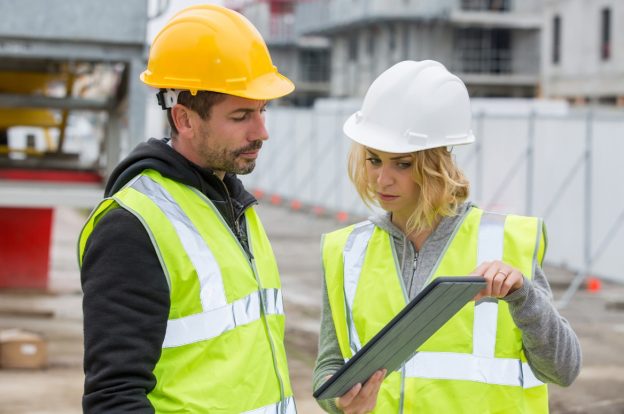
[(158, 155)]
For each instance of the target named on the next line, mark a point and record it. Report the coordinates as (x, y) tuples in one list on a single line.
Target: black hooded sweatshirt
[(126, 296)]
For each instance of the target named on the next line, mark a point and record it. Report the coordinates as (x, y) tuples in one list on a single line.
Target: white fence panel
[(530, 164)]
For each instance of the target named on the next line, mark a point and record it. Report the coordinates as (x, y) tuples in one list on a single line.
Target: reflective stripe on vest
[(218, 316), (353, 255), (212, 323), (212, 293), (286, 406), (481, 365)]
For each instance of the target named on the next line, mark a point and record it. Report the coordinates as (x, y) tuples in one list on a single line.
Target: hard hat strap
[(167, 98)]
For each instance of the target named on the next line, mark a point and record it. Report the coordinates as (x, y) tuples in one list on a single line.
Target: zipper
[(252, 263), (268, 330), (415, 264), (414, 268), (240, 236)]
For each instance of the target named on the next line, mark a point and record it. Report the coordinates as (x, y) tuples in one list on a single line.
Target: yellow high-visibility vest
[(475, 363), (223, 350)]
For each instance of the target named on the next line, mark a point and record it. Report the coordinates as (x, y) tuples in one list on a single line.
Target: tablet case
[(410, 328)]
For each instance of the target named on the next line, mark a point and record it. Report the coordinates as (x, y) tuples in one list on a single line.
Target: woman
[(498, 352)]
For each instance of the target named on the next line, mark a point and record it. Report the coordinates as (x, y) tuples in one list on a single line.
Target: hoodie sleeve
[(550, 345), (126, 307)]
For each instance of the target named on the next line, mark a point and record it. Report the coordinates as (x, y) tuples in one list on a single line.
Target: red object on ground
[(342, 216), (50, 175), (25, 233), (593, 284), (276, 199), (296, 205), (25, 247), (258, 193)]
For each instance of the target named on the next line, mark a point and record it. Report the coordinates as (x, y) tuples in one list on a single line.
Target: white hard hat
[(411, 107)]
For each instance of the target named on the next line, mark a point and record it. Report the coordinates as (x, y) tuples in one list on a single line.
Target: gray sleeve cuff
[(327, 405), (550, 345), (519, 294)]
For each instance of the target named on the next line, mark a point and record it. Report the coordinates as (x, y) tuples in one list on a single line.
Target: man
[(182, 301)]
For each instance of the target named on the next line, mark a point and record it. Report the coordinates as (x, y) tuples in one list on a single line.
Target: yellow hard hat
[(212, 48)]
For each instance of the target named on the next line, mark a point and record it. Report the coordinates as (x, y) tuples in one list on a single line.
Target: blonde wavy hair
[(443, 186)]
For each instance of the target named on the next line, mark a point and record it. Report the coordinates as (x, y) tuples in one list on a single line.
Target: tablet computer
[(396, 342)]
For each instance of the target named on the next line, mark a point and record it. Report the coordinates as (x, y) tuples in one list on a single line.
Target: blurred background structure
[(547, 82), (70, 106), (547, 101)]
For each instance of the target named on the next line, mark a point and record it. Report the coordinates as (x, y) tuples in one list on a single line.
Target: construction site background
[(72, 105)]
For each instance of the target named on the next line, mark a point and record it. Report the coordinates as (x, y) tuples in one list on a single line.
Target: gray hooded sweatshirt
[(550, 345)]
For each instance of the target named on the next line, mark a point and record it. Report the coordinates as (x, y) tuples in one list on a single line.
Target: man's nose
[(259, 132)]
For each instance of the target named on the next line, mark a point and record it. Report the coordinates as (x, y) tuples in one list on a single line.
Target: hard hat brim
[(264, 88), (267, 87), (371, 136)]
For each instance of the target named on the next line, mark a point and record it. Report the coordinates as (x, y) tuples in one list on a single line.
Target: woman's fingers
[(348, 398), (501, 279), (362, 399)]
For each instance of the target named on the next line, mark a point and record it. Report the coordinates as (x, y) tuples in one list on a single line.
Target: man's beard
[(228, 162)]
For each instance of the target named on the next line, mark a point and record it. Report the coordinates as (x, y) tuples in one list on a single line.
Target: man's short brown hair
[(201, 103)]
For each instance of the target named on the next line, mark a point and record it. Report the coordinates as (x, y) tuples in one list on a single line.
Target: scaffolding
[(62, 60)]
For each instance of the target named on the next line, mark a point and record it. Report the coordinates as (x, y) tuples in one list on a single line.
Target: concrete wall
[(525, 52), (112, 21), (419, 40), (386, 32), (581, 71)]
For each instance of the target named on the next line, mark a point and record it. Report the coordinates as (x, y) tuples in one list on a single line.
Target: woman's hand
[(501, 279), (362, 399)]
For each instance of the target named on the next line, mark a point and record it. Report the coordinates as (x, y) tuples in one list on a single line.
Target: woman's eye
[(404, 165), (374, 161)]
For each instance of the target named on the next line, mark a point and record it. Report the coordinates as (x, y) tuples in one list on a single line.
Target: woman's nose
[(384, 177)]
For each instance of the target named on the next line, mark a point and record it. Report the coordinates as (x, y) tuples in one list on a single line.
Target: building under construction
[(499, 48), (583, 66), (492, 45)]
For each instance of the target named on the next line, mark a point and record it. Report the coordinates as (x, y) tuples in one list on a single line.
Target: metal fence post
[(530, 153), (479, 157), (580, 276)]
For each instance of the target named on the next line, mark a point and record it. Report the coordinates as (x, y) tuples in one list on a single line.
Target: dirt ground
[(597, 317)]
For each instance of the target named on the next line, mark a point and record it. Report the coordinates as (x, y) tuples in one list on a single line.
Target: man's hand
[(362, 399), (501, 279)]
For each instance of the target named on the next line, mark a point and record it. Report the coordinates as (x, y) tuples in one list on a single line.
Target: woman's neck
[(418, 238)]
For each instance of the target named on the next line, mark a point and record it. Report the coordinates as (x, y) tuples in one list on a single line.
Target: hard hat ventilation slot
[(416, 139)]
